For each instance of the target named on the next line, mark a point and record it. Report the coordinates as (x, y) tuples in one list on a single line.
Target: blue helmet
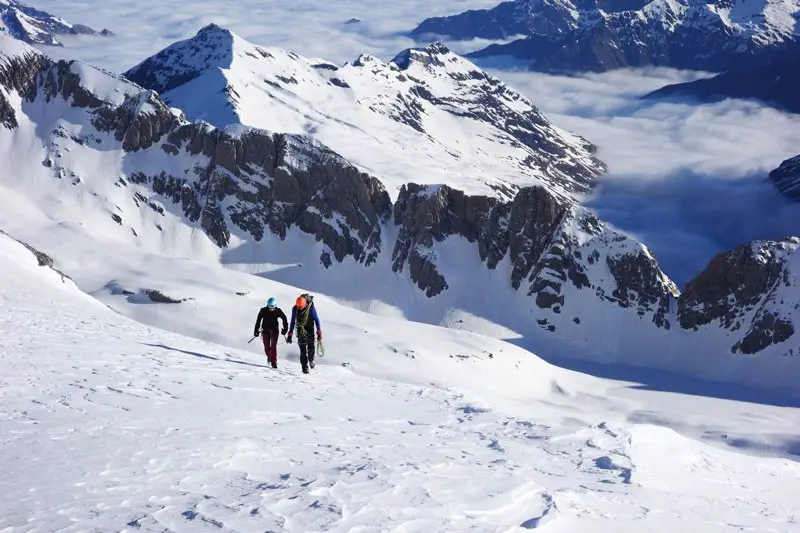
[(271, 303)]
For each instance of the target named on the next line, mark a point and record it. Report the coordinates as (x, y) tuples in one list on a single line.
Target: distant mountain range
[(777, 83), (34, 26), (593, 35)]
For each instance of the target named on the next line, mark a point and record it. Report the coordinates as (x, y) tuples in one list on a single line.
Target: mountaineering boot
[(305, 370), (274, 364), (311, 363)]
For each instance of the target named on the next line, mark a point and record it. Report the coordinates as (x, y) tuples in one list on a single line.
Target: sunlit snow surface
[(110, 425), (125, 415)]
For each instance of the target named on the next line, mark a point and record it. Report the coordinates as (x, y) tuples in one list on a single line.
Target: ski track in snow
[(111, 425)]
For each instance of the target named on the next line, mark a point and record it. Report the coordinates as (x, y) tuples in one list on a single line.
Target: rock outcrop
[(257, 181), (750, 292), (18, 74), (551, 246)]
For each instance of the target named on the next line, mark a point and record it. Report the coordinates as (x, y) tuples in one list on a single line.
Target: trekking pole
[(251, 340)]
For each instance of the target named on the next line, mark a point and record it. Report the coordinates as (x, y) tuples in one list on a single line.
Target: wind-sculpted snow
[(563, 35), (428, 114), (34, 26)]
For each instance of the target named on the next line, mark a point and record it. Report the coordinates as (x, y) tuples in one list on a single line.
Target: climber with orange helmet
[(304, 319)]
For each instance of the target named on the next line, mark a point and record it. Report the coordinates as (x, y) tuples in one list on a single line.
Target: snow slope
[(113, 425), (428, 116)]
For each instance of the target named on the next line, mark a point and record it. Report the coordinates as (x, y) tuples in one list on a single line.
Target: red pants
[(270, 339)]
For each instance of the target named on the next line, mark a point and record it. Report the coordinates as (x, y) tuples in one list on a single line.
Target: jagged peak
[(433, 54), (367, 59), (213, 46), (764, 250), (216, 30)]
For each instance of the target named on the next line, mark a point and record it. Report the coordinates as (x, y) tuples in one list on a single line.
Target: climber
[(304, 318), (267, 322)]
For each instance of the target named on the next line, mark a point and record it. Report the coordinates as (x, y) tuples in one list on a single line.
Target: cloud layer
[(688, 180)]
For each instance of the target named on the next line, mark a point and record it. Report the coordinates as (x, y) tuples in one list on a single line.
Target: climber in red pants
[(267, 323)]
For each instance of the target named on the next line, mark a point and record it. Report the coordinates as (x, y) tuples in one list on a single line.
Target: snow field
[(113, 425)]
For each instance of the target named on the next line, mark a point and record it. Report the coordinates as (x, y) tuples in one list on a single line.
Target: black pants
[(306, 353)]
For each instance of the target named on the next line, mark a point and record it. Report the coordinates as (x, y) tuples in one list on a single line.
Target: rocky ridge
[(570, 36)]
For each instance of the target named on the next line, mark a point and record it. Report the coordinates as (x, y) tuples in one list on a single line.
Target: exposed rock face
[(140, 121), (787, 178), (34, 26), (590, 35), (550, 244), (18, 74), (256, 181), (748, 292)]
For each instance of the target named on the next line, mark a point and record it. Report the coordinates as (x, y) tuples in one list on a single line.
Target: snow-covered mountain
[(34, 26), (564, 35), (774, 84), (428, 116), (787, 178), (85, 148)]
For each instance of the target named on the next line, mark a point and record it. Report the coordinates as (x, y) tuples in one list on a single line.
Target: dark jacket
[(304, 321), (268, 320)]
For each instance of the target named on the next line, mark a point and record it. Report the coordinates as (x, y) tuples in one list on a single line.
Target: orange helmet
[(300, 302)]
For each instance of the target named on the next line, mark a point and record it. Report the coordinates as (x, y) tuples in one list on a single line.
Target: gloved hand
[(319, 334), (283, 331), (289, 339), (255, 333)]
